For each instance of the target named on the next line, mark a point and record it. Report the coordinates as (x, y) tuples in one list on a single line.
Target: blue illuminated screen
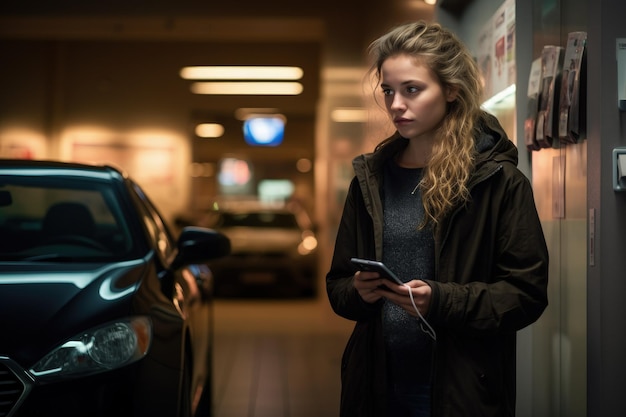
[(264, 131)]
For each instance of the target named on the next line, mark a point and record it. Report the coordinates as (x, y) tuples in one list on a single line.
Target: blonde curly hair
[(444, 183)]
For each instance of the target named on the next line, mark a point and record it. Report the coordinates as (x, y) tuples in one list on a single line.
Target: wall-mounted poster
[(22, 145), (148, 164), (484, 60), (496, 50), (16, 151)]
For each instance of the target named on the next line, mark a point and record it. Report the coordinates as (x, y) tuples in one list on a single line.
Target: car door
[(190, 291)]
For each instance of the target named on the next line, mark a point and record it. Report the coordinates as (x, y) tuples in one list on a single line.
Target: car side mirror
[(199, 245)]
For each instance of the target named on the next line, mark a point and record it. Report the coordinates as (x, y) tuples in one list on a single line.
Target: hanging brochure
[(547, 118), (573, 89), (530, 123), (621, 73)]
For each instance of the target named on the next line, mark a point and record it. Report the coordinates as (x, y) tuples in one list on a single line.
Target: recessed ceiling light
[(349, 115), (241, 73), (209, 130), (247, 88)]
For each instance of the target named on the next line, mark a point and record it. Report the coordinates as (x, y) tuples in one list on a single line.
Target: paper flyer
[(571, 122)]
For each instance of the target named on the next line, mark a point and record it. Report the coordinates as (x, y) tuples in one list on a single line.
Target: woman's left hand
[(399, 295)]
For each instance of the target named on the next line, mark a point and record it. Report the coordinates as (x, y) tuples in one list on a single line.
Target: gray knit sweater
[(409, 252)]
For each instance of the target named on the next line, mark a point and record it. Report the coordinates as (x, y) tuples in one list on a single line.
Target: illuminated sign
[(264, 131)]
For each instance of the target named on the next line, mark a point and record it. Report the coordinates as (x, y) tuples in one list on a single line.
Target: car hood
[(251, 239), (41, 305)]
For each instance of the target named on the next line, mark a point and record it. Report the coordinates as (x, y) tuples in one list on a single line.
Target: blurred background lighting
[(504, 98), (241, 73), (209, 130), (247, 88), (275, 189), (349, 115), (264, 130), (304, 165)]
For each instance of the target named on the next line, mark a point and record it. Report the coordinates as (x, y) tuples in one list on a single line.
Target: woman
[(443, 205)]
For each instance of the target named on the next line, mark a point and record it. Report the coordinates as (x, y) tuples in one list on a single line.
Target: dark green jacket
[(491, 280)]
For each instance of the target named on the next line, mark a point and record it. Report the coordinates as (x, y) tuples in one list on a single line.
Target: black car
[(103, 312)]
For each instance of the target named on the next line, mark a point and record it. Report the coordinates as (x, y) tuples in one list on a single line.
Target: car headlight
[(97, 350)]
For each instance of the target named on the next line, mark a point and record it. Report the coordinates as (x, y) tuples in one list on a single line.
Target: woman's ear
[(451, 92)]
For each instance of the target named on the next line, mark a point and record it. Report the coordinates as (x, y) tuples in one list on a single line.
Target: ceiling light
[(431, 2), (209, 130), (349, 114), (506, 96), (247, 88), (241, 73)]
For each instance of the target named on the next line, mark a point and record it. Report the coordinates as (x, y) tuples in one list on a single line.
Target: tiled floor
[(277, 358)]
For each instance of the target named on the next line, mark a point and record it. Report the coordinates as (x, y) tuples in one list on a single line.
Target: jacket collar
[(492, 142)]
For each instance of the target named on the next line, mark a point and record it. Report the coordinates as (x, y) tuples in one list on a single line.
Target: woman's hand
[(366, 283), (399, 295)]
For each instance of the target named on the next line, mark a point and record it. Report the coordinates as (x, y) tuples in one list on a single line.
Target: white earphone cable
[(428, 330)]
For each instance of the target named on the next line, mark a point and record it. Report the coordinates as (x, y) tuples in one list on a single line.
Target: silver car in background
[(273, 250)]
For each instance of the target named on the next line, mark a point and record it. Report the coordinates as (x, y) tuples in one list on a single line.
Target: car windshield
[(263, 219), (46, 219)]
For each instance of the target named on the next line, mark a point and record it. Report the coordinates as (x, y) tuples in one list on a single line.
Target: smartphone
[(376, 266)]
